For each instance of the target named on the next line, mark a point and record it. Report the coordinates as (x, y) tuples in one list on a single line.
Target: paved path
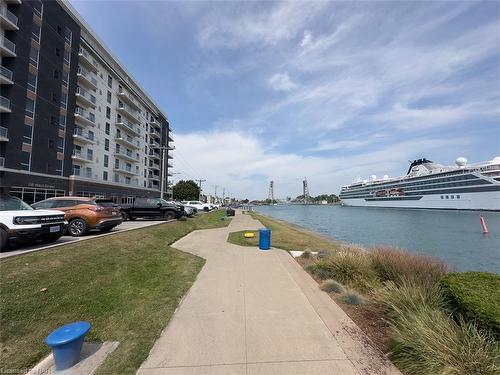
[(257, 312)]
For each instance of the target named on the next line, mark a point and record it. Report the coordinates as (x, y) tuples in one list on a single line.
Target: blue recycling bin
[(265, 239), (66, 343)]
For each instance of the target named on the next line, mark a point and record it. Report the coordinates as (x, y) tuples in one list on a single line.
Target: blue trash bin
[(265, 239), (66, 343)]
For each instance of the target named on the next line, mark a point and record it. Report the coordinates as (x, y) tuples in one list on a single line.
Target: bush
[(409, 296), (306, 254), (428, 342), (351, 267), (331, 286), (475, 296), (353, 298), (398, 265)]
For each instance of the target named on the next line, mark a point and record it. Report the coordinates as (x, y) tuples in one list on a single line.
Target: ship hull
[(480, 201)]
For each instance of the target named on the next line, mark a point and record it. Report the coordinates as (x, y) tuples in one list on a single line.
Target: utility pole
[(223, 195), (199, 194)]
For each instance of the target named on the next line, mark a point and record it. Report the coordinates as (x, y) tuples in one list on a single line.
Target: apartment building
[(73, 120)]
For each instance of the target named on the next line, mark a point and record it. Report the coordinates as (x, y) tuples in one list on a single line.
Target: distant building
[(73, 120)]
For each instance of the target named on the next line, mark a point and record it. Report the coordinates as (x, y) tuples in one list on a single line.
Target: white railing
[(7, 44), (6, 72), (4, 133), (87, 115), (2, 162), (84, 134), (4, 102), (84, 93), (78, 154), (88, 75), (8, 14)]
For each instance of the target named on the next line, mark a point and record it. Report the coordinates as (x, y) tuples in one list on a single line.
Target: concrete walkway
[(257, 312)]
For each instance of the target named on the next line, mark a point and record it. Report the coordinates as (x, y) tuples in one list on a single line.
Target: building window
[(109, 97), (106, 161), (59, 167), (67, 35), (27, 133), (58, 52), (452, 197), (110, 81), (52, 120), (447, 197), (34, 56), (30, 108), (35, 32), (54, 97), (108, 128), (64, 99), (458, 196), (56, 74), (65, 77), (32, 79), (25, 160), (108, 112), (67, 56), (38, 8), (59, 30), (51, 144), (62, 121), (106, 144), (60, 144), (105, 176), (90, 154)]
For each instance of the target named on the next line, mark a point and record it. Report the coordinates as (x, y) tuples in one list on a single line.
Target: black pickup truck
[(151, 208)]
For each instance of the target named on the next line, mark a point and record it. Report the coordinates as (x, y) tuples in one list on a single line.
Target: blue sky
[(331, 91)]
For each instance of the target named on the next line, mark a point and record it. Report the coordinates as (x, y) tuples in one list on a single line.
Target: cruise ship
[(431, 185)]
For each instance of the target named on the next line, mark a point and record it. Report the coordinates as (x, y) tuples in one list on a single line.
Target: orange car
[(84, 214)]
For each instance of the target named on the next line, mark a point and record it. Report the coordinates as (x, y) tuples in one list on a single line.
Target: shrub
[(428, 342), (396, 265), (353, 298), (322, 254), (409, 296), (475, 296), (351, 267), (306, 254), (332, 286)]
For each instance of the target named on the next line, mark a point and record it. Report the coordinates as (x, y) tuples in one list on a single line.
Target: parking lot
[(15, 250)]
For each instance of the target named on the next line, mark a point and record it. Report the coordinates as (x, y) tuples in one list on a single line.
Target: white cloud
[(281, 82), (244, 164), (306, 38)]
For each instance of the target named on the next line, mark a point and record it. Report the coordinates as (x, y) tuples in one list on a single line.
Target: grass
[(284, 236), (475, 295), (332, 286), (126, 285)]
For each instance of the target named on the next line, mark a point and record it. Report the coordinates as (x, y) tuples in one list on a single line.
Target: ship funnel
[(461, 162)]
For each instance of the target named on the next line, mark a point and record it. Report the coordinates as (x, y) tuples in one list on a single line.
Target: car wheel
[(125, 216), (206, 209), (77, 227), (51, 237), (3, 239), (106, 229), (169, 215)]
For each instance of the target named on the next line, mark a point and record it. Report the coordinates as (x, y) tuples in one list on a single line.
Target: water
[(454, 236)]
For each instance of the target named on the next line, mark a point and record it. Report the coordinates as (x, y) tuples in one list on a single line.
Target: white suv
[(198, 205), (21, 223)]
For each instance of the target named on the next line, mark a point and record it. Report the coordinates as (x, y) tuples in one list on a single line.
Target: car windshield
[(13, 203)]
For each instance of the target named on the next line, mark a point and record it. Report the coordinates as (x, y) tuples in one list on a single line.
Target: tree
[(186, 190)]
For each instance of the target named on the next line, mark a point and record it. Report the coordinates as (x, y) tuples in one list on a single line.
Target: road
[(16, 250)]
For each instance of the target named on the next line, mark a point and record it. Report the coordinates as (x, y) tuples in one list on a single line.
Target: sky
[(331, 91)]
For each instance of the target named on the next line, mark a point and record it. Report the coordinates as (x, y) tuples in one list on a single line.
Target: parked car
[(84, 214), (19, 222), (198, 205), (188, 211), (151, 208)]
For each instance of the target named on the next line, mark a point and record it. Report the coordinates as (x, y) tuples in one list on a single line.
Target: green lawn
[(126, 285), (284, 236)]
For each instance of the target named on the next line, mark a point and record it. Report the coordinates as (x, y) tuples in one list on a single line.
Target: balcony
[(169, 165), (78, 172), (154, 143), (5, 76), (154, 166), (82, 117), (169, 156), (124, 169), (128, 126), (170, 148), (126, 96), (86, 78), (2, 162), (154, 123), (7, 19), (128, 111), (79, 156), (7, 48), (126, 141), (87, 59), (4, 105), (154, 177), (84, 97), (169, 137), (154, 155), (126, 155), (154, 133), (82, 136), (4, 134)]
